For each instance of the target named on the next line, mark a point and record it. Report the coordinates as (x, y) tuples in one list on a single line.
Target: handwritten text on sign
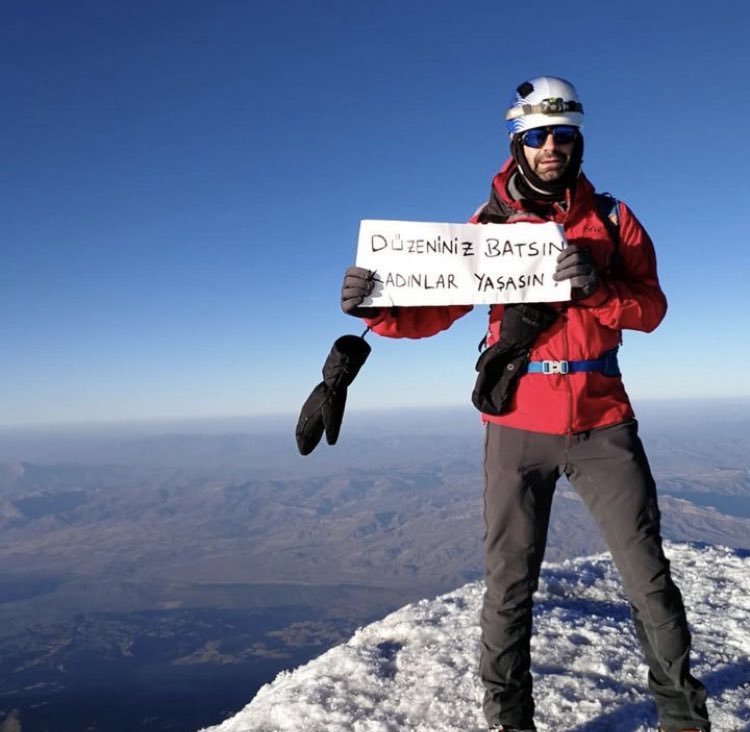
[(418, 263)]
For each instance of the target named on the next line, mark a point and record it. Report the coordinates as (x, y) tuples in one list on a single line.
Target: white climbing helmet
[(544, 101)]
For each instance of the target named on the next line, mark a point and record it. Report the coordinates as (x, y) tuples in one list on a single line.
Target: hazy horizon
[(355, 416)]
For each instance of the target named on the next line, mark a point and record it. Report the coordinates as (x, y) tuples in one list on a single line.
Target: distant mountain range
[(212, 560)]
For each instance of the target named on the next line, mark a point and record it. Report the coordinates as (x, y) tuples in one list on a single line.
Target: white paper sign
[(419, 263)]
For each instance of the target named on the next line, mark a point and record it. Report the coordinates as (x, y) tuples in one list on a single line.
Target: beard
[(550, 166)]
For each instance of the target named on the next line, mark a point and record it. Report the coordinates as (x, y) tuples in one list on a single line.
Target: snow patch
[(417, 668)]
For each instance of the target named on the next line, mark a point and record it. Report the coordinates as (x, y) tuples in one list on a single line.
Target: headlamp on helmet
[(542, 102)]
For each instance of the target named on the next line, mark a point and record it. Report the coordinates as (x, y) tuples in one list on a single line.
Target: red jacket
[(629, 298)]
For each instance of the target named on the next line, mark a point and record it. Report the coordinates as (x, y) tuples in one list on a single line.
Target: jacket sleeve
[(416, 322), (630, 297)]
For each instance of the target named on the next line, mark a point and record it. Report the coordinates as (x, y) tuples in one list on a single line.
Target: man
[(565, 413)]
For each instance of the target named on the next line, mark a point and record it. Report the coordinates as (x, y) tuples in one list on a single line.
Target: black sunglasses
[(561, 134)]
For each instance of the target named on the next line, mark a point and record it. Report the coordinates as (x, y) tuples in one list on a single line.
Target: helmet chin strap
[(532, 187)]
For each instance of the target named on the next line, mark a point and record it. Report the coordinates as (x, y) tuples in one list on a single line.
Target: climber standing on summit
[(553, 402)]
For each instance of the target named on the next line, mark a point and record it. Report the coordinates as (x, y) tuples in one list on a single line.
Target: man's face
[(551, 160)]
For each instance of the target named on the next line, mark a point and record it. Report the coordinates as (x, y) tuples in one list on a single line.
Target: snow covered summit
[(417, 668)]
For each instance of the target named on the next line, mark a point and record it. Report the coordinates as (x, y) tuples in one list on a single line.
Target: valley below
[(156, 582)]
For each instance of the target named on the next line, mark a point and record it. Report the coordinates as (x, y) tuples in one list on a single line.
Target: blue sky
[(182, 183)]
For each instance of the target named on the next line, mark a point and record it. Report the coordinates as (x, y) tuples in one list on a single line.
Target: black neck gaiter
[(532, 187)]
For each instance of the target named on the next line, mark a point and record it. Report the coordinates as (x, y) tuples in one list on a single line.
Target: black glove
[(358, 284), (502, 364), (324, 408), (310, 424), (575, 264)]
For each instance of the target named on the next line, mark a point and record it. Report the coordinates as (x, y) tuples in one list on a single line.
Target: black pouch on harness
[(502, 364)]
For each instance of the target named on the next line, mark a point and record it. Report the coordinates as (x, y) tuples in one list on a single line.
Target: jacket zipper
[(566, 381), (566, 349)]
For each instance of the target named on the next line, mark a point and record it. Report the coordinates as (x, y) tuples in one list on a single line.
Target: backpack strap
[(609, 211)]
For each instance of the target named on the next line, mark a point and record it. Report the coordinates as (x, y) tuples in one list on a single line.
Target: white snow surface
[(417, 668)]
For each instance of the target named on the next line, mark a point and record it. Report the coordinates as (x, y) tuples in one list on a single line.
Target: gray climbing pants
[(609, 470)]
